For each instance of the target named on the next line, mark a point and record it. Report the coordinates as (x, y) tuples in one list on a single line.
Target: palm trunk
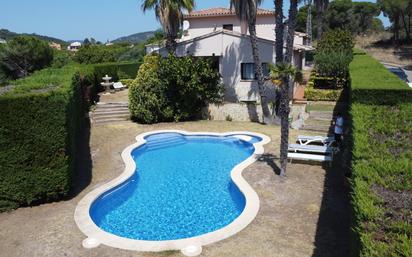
[(170, 43), (284, 104), (279, 30), (267, 118), (284, 126)]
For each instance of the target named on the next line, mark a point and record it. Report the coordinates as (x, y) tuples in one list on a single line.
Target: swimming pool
[(178, 190)]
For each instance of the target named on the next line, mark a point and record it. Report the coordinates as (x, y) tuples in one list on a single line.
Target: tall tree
[(399, 13), (321, 6), (246, 10), (309, 22), (170, 15), (283, 66)]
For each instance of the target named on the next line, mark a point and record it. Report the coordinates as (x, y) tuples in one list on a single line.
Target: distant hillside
[(135, 38), (7, 35)]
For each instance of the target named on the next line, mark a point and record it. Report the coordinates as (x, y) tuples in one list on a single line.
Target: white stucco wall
[(233, 50)]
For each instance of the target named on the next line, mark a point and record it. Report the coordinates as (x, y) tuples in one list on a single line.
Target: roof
[(76, 44), (221, 11), (237, 34)]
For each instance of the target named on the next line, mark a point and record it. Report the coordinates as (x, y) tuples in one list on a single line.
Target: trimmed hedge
[(39, 121), (372, 83), (117, 71), (381, 113), (314, 94)]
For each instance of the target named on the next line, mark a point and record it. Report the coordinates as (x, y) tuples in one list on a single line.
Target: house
[(218, 33), (55, 45), (2, 41), (75, 46)]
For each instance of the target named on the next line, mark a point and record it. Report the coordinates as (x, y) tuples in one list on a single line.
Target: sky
[(101, 19)]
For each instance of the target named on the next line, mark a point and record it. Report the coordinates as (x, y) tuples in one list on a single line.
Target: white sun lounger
[(118, 86), (310, 148), (307, 140), (310, 152), (309, 157)]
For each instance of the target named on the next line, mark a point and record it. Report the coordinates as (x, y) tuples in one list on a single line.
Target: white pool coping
[(97, 236)]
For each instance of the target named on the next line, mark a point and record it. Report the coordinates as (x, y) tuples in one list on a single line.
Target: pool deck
[(304, 214)]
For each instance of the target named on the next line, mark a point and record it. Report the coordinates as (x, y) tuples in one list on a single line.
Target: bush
[(381, 112), (334, 54), (173, 89), (335, 65), (39, 122), (336, 41), (61, 59), (23, 55)]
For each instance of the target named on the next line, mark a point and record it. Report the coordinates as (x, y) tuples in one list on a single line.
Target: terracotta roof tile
[(220, 11)]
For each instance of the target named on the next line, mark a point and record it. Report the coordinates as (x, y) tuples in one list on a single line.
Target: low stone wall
[(235, 112), (247, 112)]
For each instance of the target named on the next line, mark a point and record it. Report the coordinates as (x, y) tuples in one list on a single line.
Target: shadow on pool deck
[(333, 227)]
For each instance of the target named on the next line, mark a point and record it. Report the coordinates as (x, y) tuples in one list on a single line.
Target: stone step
[(98, 113), (111, 105), (109, 120), (321, 115), (108, 116)]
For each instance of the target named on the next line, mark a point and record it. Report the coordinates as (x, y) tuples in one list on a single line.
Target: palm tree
[(285, 74), (246, 10), (321, 6), (279, 31), (170, 15)]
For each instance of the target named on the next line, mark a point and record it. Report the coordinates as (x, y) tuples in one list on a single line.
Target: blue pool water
[(181, 188)]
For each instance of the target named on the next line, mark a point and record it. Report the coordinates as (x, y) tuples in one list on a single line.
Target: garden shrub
[(39, 121), (381, 112), (333, 55), (173, 89), (147, 99)]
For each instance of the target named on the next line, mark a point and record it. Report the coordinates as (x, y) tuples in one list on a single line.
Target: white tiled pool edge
[(96, 236)]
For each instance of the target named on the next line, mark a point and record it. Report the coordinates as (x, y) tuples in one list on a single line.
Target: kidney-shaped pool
[(181, 186)]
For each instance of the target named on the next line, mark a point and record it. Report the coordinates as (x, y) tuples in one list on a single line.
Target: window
[(228, 27), (248, 71)]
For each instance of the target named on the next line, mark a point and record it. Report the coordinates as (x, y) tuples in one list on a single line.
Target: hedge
[(314, 94), (39, 122), (381, 112), (117, 71)]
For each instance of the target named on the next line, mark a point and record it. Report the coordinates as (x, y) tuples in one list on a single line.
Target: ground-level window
[(228, 27), (248, 70)]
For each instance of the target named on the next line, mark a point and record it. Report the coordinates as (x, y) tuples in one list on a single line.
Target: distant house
[(218, 33), (74, 46), (2, 41), (55, 45)]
